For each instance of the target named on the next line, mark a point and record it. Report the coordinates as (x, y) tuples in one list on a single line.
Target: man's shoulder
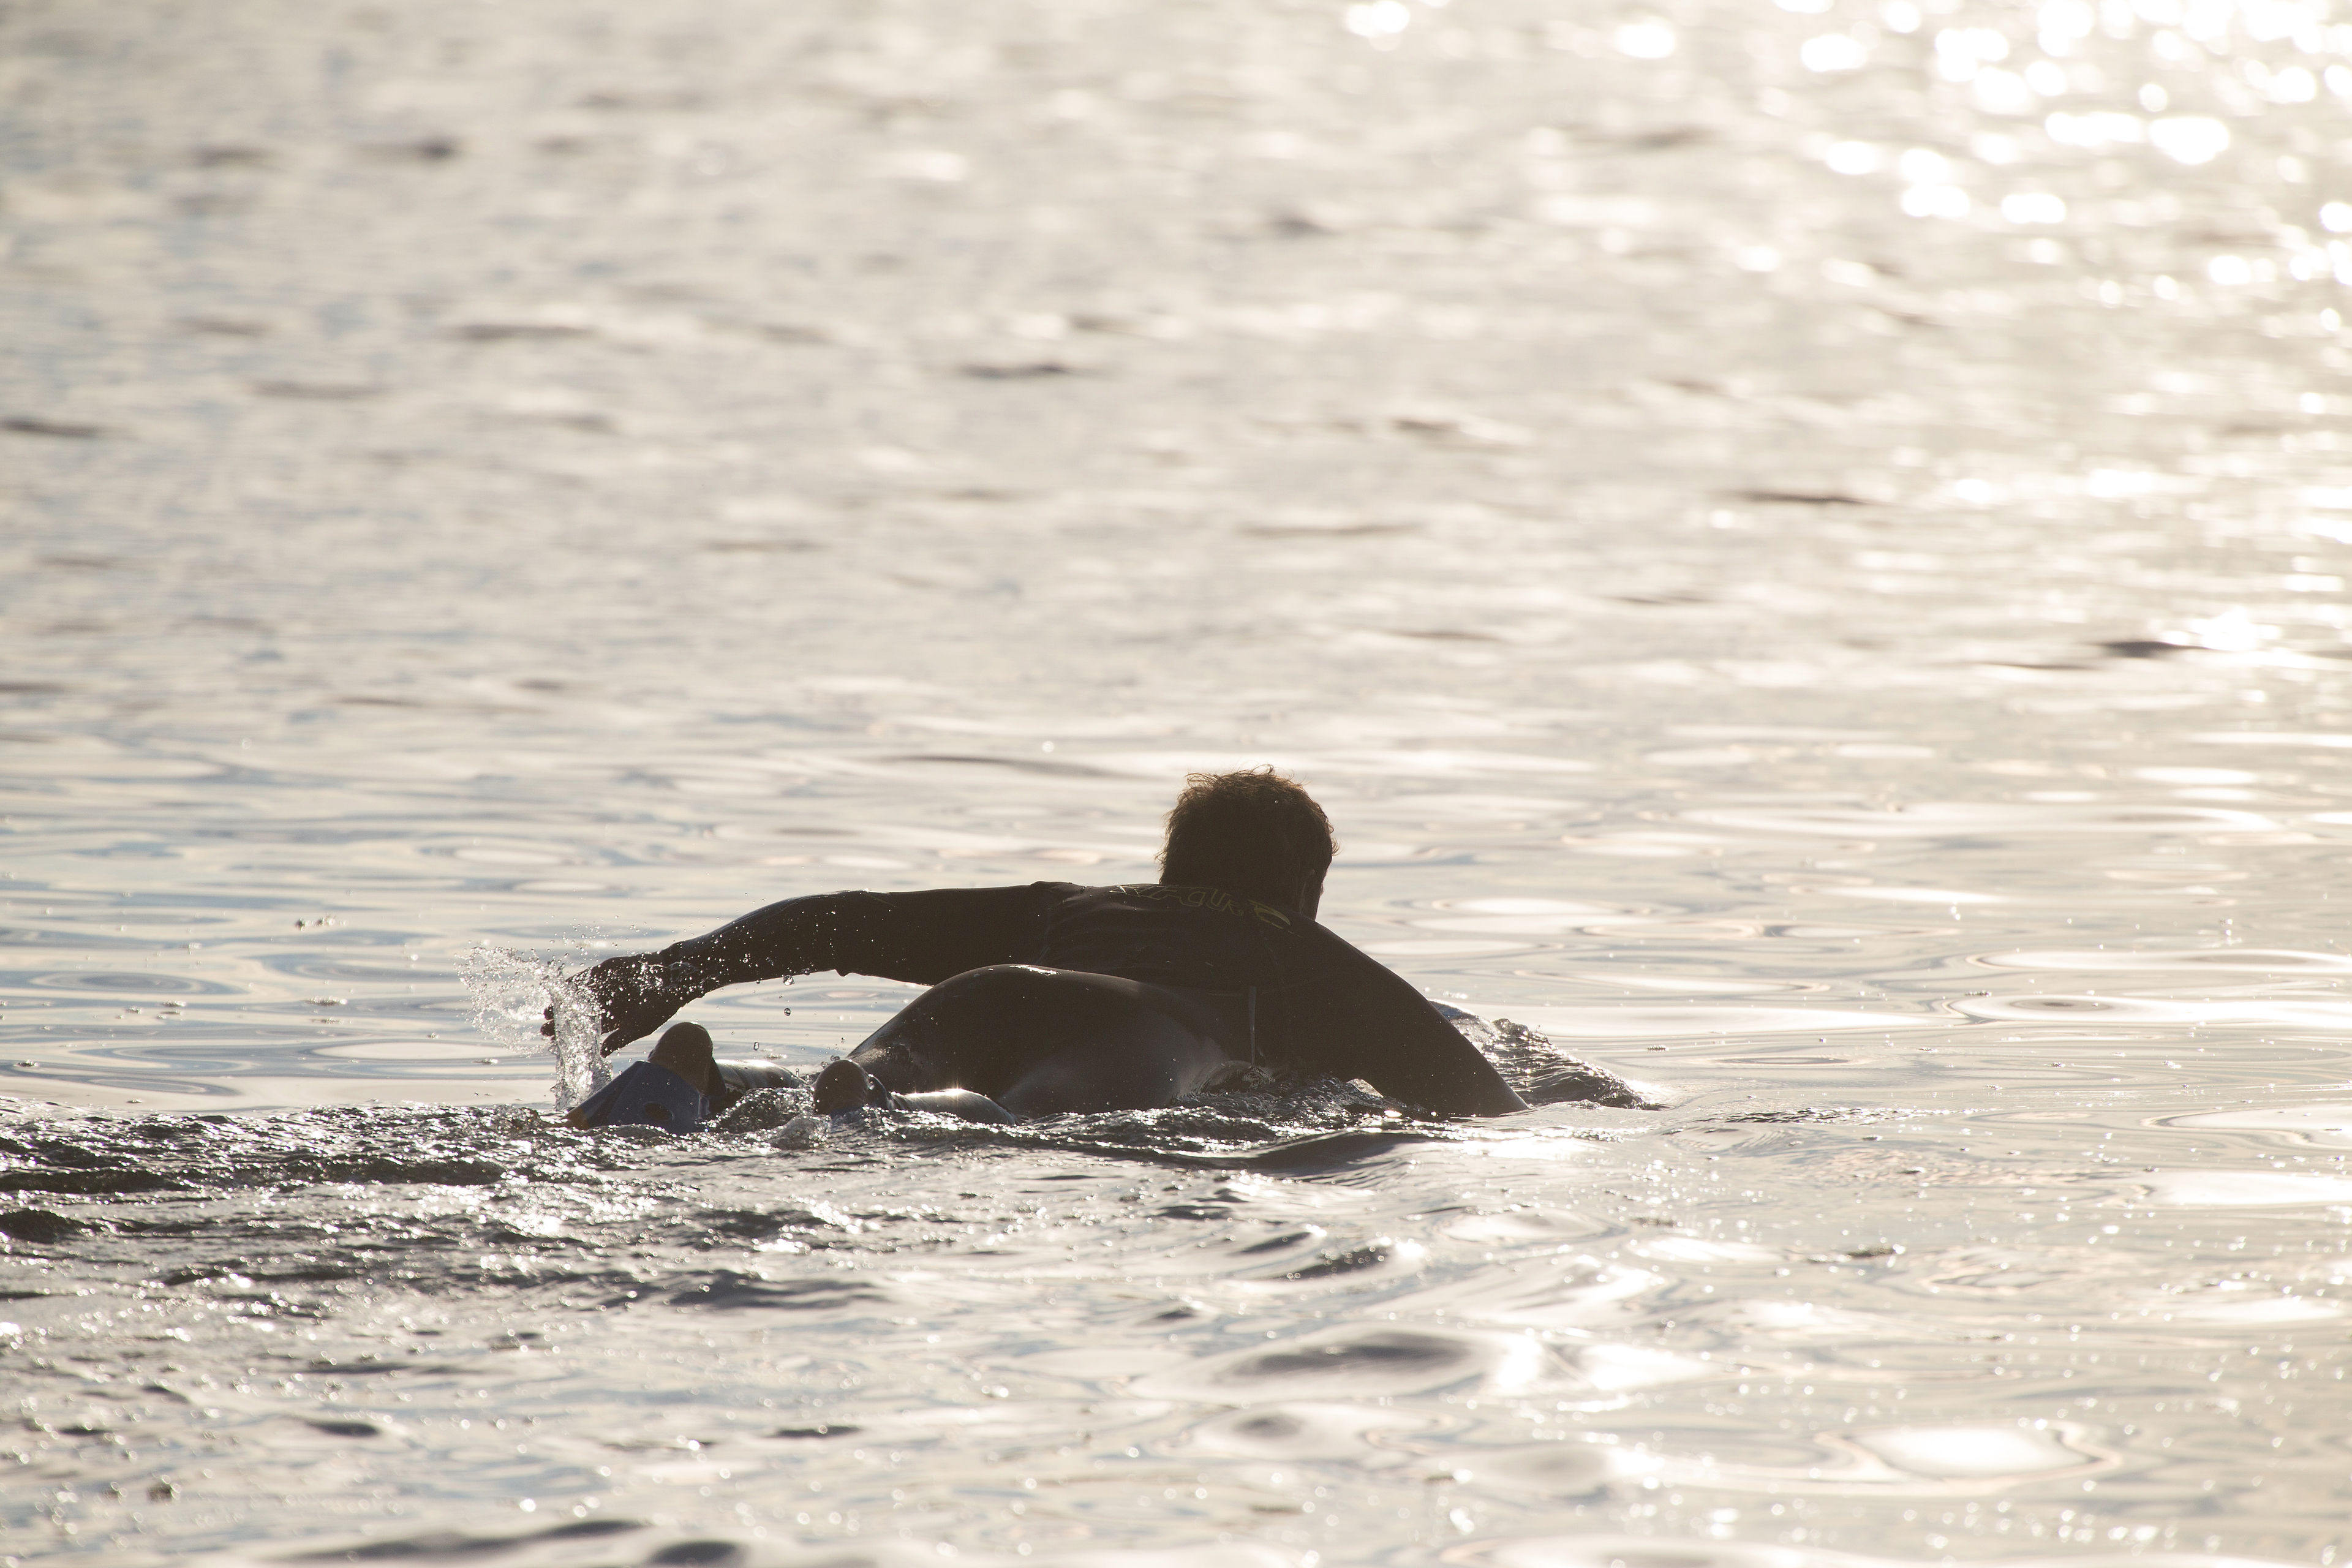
[(1040, 893), (1215, 902)]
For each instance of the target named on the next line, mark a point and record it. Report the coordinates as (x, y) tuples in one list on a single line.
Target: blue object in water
[(644, 1096)]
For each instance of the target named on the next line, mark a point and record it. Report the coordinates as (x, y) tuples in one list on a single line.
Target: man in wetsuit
[(1055, 997)]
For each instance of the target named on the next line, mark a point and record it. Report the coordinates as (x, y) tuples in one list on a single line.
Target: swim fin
[(846, 1086), (968, 1103), (741, 1076)]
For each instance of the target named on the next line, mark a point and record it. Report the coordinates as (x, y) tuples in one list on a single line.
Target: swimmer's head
[(1254, 832)]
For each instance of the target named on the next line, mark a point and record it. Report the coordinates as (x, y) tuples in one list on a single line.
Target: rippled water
[(1803, 547)]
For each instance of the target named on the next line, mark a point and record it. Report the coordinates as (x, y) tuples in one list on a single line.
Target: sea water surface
[(1803, 547)]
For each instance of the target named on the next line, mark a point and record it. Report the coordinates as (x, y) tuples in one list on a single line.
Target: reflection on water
[(1802, 545)]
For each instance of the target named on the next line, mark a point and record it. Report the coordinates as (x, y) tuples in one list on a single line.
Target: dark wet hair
[(1254, 832)]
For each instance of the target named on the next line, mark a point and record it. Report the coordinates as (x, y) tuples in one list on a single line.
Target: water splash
[(1542, 1073), (512, 993)]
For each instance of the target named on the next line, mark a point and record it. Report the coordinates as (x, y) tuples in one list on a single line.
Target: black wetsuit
[(1285, 993)]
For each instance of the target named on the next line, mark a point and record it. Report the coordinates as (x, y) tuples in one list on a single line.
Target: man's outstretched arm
[(1366, 1021), (1423, 1060), (922, 938)]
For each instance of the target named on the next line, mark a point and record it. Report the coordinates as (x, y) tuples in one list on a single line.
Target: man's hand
[(634, 995)]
